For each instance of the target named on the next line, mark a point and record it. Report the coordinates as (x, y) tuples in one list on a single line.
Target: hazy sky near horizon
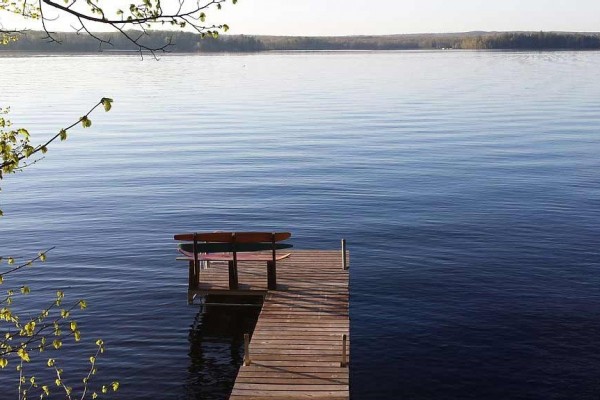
[(351, 17), (355, 17)]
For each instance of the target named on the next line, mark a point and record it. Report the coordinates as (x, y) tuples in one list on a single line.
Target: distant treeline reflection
[(191, 43)]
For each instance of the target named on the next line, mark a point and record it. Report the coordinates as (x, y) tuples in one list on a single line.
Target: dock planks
[(296, 347)]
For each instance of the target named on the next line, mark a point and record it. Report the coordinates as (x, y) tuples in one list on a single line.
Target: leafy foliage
[(15, 146), (119, 15), (24, 336)]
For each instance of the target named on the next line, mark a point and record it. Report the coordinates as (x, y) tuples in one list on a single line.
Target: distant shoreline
[(72, 43)]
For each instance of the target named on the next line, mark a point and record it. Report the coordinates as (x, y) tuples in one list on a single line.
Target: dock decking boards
[(296, 347)]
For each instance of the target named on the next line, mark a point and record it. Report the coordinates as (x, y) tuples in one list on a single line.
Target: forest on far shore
[(192, 43)]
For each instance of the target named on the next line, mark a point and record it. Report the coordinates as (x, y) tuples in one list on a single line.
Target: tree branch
[(187, 14), (43, 147)]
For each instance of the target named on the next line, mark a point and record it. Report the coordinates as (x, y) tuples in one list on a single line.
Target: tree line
[(184, 42)]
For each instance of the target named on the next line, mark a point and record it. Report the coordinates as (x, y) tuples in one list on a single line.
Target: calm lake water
[(466, 184)]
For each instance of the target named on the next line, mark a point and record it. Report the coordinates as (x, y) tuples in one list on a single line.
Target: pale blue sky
[(349, 17), (353, 17)]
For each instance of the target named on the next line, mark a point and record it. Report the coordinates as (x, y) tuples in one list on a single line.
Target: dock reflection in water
[(217, 344)]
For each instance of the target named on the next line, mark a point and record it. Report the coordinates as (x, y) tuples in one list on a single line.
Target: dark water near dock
[(466, 184), (217, 345)]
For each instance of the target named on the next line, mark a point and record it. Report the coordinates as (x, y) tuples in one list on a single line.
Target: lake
[(466, 185)]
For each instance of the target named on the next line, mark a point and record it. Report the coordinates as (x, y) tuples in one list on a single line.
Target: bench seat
[(232, 247), (229, 256)]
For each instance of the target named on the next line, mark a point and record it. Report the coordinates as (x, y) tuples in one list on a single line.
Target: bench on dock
[(233, 247)]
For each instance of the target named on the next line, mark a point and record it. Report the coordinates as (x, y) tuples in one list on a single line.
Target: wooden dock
[(297, 348)]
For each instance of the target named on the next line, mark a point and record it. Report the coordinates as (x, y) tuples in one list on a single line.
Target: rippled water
[(466, 184)]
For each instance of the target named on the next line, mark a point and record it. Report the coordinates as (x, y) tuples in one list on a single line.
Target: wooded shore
[(178, 42)]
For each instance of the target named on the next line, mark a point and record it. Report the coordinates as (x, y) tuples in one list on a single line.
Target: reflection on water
[(217, 345)]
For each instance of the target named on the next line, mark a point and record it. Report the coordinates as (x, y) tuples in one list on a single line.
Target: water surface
[(465, 183)]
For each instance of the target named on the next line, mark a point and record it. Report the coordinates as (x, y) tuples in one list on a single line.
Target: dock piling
[(344, 255), (344, 362), (247, 360)]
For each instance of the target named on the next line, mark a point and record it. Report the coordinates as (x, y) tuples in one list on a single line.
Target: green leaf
[(86, 122), (107, 103), (63, 134), (23, 132), (23, 354), (29, 328)]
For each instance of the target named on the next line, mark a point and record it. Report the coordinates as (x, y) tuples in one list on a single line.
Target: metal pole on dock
[(344, 362), (247, 360), (344, 260)]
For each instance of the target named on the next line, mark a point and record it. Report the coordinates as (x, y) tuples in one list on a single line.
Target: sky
[(374, 17), (352, 17)]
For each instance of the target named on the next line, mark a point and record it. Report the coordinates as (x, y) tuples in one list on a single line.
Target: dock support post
[(344, 256), (247, 360), (344, 362), (233, 276), (271, 275)]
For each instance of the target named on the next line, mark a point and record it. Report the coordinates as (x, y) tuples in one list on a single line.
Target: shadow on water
[(217, 344)]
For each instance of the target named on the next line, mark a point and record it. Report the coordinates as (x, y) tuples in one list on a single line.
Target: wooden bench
[(233, 247)]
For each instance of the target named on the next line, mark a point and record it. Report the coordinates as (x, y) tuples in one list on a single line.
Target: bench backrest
[(233, 242), (234, 237)]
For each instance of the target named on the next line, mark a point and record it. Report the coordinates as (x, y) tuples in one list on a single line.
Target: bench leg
[(233, 276), (271, 275), (194, 276)]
